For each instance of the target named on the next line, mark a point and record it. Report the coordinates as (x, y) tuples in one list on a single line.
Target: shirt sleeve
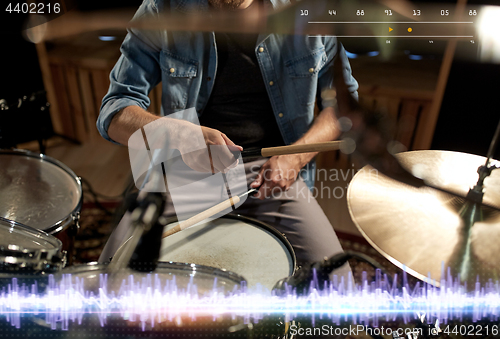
[(336, 53), (136, 72)]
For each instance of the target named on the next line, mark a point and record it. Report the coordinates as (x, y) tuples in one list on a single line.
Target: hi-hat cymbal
[(424, 230)]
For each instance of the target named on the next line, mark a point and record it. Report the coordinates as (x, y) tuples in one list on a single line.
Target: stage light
[(489, 34)]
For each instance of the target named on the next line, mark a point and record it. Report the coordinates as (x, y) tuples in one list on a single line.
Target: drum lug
[(64, 259), (76, 221)]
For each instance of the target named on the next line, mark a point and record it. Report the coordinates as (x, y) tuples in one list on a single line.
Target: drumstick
[(207, 213), (293, 149)]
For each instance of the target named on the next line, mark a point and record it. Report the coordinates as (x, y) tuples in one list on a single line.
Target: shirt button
[(271, 83), (311, 70), (172, 70), (261, 49), (209, 78), (280, 115)]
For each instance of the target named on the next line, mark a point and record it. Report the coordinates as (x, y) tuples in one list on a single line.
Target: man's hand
[(277, 175), (194, 153), (280, 172)]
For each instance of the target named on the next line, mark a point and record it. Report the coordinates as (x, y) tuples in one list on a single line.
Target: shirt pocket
[(303, 72), (177, 79)]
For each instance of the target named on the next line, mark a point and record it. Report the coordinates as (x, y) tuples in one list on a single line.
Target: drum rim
[(236, 216), (216, 272), (37, 259), (64, 222)]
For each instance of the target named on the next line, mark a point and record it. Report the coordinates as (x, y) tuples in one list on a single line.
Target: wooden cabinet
[(79, 78)]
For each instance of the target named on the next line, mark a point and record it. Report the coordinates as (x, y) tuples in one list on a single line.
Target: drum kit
[(41, 199), (422, 210), (420, 230)]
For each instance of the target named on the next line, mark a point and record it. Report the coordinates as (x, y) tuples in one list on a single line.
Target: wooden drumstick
[(293, 149), (206, 214)]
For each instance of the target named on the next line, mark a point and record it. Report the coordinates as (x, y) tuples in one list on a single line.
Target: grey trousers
[(296, 213)]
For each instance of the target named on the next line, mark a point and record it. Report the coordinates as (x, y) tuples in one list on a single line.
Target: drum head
[(173, 297), (241, 245), (36, 190), (27, 249), (167, 275)]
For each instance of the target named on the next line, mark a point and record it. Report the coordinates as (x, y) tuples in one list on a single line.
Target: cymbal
[(424, 230)]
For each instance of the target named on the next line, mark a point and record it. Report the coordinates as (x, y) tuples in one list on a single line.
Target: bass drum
[(239, 244), (41, 192)]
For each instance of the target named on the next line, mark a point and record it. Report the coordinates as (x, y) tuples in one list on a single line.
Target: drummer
[(249, 90)]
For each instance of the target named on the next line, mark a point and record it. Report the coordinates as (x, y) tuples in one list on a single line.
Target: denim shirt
[(295, 68)]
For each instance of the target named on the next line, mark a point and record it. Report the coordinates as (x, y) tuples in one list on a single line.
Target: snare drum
[(243, 245), (159, 290), (25, 250), (41, 192)]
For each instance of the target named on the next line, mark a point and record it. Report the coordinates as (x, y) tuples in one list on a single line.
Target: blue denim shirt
[(295, 68)]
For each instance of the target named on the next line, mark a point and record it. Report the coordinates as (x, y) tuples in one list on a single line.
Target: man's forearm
[(324, 128), (127, 121), (175, 133)]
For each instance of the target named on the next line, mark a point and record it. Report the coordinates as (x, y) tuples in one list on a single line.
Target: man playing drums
[(249, 90)]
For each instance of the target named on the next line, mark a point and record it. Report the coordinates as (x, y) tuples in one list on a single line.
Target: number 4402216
[(472, 330), (32, 8)]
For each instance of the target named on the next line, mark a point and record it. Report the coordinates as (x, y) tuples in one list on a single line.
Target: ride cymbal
[(423, 229)]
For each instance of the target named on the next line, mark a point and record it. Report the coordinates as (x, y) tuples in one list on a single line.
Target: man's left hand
[(277, 175)]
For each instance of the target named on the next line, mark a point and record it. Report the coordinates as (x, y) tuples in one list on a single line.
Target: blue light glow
[(415, 57), (107, 38), (351, 55)]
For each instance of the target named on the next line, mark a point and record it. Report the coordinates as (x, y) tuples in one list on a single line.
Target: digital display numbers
[(364, 19), (389, 12)]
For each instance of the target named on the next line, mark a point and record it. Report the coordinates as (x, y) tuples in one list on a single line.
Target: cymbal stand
[(472, 210)]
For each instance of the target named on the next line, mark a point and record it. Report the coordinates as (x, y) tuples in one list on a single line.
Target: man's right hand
[(219, 157), (190, 139)]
